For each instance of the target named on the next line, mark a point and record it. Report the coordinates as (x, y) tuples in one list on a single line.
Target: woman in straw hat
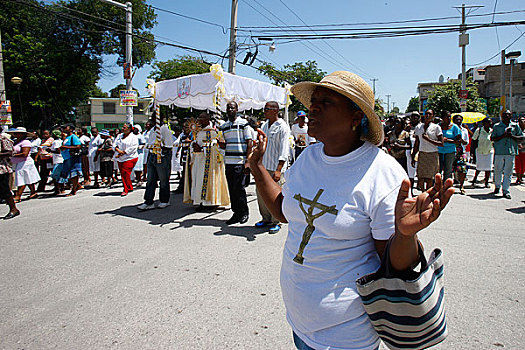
[(26, 172), (343, 199)]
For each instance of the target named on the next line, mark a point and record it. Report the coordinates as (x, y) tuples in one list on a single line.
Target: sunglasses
[(269, 108)]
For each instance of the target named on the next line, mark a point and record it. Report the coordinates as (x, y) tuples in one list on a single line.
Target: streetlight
[(512, 56), (18, 81)]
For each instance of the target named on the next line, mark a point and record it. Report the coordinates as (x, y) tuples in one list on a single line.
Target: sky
[(398, 64)]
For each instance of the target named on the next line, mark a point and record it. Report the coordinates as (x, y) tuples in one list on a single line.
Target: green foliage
[(394, 111), (292, 74), (379, 109), (413, 105), (178, 67), (59, 58), (115, 92), (493, 106), (446, 98)]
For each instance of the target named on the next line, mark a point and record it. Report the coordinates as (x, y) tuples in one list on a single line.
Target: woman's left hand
[(412, 214)]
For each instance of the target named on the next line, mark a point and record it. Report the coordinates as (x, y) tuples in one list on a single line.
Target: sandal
[(34, 195)]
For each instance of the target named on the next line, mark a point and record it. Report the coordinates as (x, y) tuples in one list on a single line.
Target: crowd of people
[(348, 198), (423, 146)]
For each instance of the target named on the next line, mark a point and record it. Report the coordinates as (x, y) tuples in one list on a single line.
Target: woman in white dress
[(26, 173), (484, 151), (139, 167)]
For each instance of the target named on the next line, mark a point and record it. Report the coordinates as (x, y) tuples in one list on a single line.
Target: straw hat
[(356, 89), (20, 129)]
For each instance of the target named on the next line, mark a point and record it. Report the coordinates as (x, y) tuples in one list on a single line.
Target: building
[(489, 83), (424, 90), (106, 113)]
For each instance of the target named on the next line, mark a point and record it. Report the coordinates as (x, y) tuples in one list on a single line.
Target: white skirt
[(484, 161), (410, 169), (26, 173), (139, 166), (94, 166)]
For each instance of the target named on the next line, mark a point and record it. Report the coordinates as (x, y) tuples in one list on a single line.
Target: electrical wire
[(325, 41), (499, 53), (224, 29), (253, 28)]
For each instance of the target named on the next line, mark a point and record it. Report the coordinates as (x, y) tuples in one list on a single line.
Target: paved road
[(92, 272)]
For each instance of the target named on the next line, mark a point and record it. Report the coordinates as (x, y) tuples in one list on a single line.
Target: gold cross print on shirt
[(310, 217)]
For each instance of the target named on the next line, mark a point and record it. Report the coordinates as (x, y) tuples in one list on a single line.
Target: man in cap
[(300, 134), (506, 135)]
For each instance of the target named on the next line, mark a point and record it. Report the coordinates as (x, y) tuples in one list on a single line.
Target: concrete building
[(489, 83), (424, 90), (106, 113)]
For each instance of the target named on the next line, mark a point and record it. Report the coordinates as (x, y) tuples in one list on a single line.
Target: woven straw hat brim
[(304, 90)]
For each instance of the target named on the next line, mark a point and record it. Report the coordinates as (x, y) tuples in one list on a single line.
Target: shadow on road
[(483, 196), (176, 215), (518, 210)]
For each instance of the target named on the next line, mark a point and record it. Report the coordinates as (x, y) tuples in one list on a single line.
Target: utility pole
[(233, 37), (463, 42), (502, 88), (3, 95), (374, 84), (129, 43), (388, 104)]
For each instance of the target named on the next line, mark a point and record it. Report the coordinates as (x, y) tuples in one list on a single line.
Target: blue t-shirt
[(72, 140), (506, 146), (451, 133)]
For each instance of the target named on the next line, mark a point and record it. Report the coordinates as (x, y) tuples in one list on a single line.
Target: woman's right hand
[(258, 151)]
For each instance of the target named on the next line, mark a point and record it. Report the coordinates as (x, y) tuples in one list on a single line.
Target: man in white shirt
[(158, 172), (275, 158), (300, 134), (94, 165)]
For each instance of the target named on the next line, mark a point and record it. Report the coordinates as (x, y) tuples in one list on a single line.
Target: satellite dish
[(441, 78)]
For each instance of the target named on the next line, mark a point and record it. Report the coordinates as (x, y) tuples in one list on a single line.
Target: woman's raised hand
[(258, 151), (412, 214)]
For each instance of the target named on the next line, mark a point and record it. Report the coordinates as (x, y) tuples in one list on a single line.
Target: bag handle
[(388, 271)]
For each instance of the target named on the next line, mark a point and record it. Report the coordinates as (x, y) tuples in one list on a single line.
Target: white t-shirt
[(464, 137), (94, 144), (130, 145), (321, 299), (84, 139), (57, 157), (433, 132), (166, 137), (299, 133)]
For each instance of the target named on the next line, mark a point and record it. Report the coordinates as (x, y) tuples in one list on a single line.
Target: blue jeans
[(158, 172), (503, 165), (445, 164)]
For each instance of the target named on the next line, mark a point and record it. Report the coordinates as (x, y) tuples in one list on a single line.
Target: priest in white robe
[(207, 176)]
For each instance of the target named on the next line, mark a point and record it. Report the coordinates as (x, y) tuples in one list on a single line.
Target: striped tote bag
[(407, 310)]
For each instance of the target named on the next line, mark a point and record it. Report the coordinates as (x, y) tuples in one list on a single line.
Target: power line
[(381, 23), (499, 53), (305, 44), (324, 41), (224, 29), (386, 34)]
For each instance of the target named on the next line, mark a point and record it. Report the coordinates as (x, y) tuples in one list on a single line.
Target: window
[(523, 83), (108, 107), (111, 125), (138, 109), (523, 66)]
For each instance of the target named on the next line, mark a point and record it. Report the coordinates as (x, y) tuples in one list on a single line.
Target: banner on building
[(5, 113), (129, 98)]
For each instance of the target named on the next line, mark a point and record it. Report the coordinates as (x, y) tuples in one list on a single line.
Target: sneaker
[(243, 219), (496, 190), (163, 205), (274, 228), (262, 224), (145, 206), (507, 195)]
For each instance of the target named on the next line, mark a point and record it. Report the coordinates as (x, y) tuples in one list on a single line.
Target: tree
[(178, 67), (58, 53), (292, 74), (379, 109), (446, 97), (413, 105), (395, 110), (115, 92)]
